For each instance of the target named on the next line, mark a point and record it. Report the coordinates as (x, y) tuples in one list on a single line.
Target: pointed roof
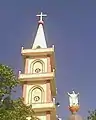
[(40, 41)]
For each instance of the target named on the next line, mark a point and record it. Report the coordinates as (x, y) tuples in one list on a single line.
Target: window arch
[(37, 66), (36, 95)]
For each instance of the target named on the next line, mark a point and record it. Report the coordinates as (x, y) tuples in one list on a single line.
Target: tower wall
[(45, 93), (46, 64), (30, 67)]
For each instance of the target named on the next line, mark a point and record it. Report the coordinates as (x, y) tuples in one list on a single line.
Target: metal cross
[(41, 16)]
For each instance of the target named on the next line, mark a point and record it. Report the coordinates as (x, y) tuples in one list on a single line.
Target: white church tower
[(38, 79)]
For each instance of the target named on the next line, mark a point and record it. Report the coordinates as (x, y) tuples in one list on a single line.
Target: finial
[(22, 49), (19, 72), (41, 17)]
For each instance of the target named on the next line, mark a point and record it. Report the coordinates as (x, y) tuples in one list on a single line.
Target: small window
[(38, 70), (36, 98)]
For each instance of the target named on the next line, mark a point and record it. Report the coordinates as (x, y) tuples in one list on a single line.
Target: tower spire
[(40, 41)]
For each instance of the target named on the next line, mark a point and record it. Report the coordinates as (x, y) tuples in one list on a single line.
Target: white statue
[(73, 98)]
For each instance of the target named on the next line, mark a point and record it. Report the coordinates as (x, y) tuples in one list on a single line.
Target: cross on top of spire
[(41, 15)]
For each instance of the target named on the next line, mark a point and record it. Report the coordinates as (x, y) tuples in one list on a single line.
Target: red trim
[(41, 22), (47, 115)]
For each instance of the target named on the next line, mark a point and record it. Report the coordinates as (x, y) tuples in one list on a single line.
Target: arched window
[(37, 66), (36, 95)]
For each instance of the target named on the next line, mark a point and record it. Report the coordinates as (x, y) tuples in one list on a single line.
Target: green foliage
[(18, 111), (92, 115), (11, 109), (7, 80)]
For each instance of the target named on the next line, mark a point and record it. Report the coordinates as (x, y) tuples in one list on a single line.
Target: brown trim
[(48, 115), (24, 92), (26, 66), (48, 65), (48, 92)]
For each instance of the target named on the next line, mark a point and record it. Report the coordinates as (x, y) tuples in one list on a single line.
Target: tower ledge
[(40, 52), (39, 78), (50, 107), (41, 107)]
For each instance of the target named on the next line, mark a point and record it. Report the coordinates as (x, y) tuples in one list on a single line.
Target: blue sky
[(71, 27)]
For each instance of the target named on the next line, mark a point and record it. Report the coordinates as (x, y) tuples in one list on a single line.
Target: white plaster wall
[(41, 116)]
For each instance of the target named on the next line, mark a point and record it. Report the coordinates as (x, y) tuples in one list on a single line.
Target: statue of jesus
[(73, 98)]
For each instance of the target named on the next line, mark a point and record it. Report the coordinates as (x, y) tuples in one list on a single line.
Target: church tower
[(38, 79)]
